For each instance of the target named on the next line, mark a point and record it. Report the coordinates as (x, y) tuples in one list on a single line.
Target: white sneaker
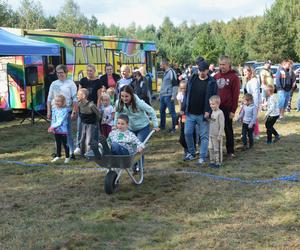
[(201, 161), (67, 160), (77, 151), (55, 159)]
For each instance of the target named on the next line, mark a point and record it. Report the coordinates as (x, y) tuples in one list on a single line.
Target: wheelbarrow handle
[(148, 137)]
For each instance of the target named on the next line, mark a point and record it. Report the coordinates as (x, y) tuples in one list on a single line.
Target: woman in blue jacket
[(138, 112)]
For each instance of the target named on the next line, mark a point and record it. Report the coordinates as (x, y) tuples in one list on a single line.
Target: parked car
[(258, 70)]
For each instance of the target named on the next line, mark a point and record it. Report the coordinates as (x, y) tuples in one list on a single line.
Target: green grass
[(58, 208)]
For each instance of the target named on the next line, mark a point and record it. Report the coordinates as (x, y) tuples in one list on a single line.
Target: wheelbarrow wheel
[(109, 182)]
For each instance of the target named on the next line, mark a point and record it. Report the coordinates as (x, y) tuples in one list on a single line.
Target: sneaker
[(231, 156), (268, 142), (72, 157), (201, 161), (189, 157), (67, 160), (55, 159), (172, 131), (212, 165), (77, 151), (277, 138)]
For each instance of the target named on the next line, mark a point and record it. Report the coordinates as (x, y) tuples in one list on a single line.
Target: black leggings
[(271, 120), (61, 140)]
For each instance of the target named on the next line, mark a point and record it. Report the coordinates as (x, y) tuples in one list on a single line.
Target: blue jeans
[(142, 133), (191, 122), (69, 135), (165, 102), (117, 149), (283, 98)]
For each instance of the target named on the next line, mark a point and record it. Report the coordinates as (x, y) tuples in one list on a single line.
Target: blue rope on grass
[(294, 177)]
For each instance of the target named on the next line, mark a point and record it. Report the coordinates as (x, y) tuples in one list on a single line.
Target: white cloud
[(141, 12)]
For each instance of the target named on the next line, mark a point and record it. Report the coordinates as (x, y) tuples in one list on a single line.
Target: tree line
[(274, 36)]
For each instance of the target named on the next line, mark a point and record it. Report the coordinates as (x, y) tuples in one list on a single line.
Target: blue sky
[(124, 12)]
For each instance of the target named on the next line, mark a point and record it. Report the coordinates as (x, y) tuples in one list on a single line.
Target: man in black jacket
[(200, 88)]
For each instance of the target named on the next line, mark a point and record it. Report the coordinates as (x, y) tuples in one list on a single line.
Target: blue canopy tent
[(13, 45)]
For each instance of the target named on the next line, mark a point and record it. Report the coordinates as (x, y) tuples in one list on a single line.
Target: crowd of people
[(114, 111)]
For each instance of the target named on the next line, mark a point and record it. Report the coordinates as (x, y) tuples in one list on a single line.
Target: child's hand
[(140, 149), (50, 130), (176, 127)]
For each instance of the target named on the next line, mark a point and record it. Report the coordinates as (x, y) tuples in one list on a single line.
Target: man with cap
[(266, 78), (196, 107)]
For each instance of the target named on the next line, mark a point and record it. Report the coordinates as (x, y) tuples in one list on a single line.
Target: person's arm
[(263, 78), (137, 142), (96, 111), (254, 116), (221, 121), (149, 110), (241, 115), (278, 79), (235, 95), (117, 113), (49, 100), (74, 100)]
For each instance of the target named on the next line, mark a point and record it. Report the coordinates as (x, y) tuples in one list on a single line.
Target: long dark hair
[(129, 90)]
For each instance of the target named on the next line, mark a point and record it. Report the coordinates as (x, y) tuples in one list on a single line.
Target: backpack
[(174, 77)]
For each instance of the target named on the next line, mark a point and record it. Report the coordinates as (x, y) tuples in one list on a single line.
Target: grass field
[(66, 208)]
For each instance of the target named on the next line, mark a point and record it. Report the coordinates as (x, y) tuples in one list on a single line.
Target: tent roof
[(13, 45)]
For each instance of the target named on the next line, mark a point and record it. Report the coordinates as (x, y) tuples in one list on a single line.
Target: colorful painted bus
[(22, 78)]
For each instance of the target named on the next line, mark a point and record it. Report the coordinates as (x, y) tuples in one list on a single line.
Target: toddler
[(108, 114), (181, 93), (112, 95), (216, 132), (248, 117), (121, 141), (90, 117), (272, 114), (59, 127)]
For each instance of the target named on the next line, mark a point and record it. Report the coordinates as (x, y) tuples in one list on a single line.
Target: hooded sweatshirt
[(228, 90)]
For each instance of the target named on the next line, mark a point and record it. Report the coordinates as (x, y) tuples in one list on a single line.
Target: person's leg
[(256, 129), (64, 142), (287, 95), (289, 106), (58, 142), (244, 134), (228, 133), (189, 133), (105, 147), (171, 108), (203, 133), (117, 149), (162, 111), (221, 150), (83, 139), (69, 135), (78, 133), (269, 129), (250, 136), (281, 102), (142, 133), (272, 123), (211, 146), (91, 136)]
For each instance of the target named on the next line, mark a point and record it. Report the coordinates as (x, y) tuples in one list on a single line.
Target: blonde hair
[(92, 66), (125, 68), (62, 98), (84, 91), (271, 88), (104, 95), (216, 99)]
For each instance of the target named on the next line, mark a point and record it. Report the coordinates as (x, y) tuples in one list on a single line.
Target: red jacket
[(228, 89)]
